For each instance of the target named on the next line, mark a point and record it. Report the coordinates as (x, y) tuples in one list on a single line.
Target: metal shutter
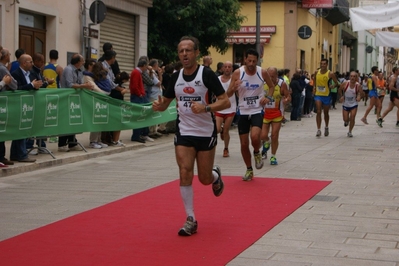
[(118, 28)]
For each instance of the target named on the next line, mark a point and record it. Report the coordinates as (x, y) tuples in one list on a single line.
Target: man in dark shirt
[(21, 75), (115, 66)]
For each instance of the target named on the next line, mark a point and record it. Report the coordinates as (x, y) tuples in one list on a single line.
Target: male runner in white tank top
[(196, 134), (248, 82)]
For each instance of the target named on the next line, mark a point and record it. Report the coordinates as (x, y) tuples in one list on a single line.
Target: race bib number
[(251, 102), (350, 99), (321, 89), (271, 105), (185, 102)]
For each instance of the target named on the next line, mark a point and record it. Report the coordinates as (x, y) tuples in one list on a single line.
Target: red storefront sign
[(317, 3), (247, 40), (247, 35)]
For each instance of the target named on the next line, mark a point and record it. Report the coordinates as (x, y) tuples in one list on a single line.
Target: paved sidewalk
[(353, 221)]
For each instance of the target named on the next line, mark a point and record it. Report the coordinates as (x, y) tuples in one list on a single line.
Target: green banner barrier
[(53, 112)]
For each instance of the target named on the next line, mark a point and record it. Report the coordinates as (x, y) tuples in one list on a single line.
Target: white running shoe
[(103, 145), (63, 148), (147, 138), (95, 145), (117, 144)]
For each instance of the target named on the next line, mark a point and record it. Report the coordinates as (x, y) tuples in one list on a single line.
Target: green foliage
[(208, 20)]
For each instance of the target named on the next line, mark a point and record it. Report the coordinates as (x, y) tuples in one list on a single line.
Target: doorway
[(32, 33)]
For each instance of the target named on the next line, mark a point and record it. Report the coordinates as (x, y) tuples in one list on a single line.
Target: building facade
[(304, 32), (43, 25)]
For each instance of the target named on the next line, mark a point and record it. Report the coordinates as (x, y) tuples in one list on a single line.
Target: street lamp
[(258, 3)]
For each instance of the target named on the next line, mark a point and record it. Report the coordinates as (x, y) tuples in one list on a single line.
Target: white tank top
[(350, 95), (233, 102), (250, 92), (190, 124)]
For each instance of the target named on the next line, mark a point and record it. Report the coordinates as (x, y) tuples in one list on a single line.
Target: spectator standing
[(115, 65), (308, 105), (96, 76), (35, 74), (72, 77), (138, 95), (154, 91), (21, 75), (52, 70), (7, 83), (15, 64), (117, 92), (296, 93)]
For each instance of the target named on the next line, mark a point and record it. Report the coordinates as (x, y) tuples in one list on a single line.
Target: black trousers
[(66, 140)]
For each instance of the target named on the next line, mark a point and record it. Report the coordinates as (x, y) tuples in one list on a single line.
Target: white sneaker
[(76, 148), (32, 152), (117, 144), (103, 145), (147, 138), (95, 145), (63, 148)]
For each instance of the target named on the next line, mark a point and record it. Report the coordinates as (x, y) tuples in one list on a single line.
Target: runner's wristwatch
[(270, 98)]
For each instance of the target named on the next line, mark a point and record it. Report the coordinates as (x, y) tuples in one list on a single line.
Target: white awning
[(374, 16), (387, 39)]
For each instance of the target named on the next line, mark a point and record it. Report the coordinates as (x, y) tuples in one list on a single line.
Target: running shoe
[(103, 145), (95, 145), (379, 122), (273, 160), (63, 148), (326, 133), (218, 185), (226, 152), (265, 148), (147, 138), (350, 134), (364, 120), (117, 143), (346, 124), (190, 227), (258, 160), (397, 124), (249, 174), (76, 148), (318, 134)]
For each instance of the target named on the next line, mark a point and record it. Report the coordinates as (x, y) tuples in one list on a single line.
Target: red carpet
[(142, 229)]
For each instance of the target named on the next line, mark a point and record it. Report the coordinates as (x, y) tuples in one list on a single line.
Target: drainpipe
[(83, 39), (258, 3)]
